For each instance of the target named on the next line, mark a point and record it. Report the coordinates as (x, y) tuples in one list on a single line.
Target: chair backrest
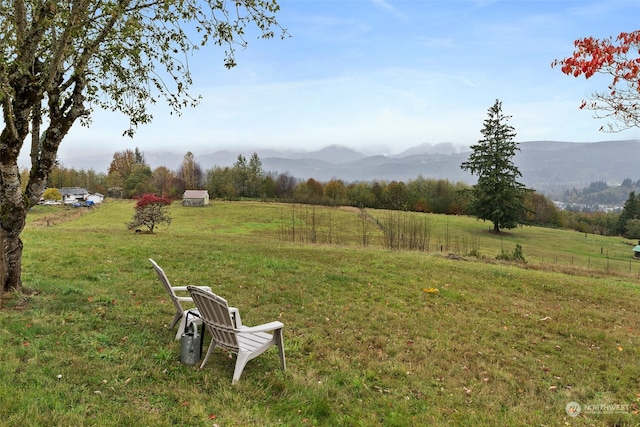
[(165, 281), (214, 312)]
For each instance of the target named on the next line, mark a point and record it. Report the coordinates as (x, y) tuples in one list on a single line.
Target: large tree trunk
[(11, 261), (14, 202), (13, 215), (19, 113)]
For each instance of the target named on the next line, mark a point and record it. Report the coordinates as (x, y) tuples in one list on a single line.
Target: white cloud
[(383, 4)]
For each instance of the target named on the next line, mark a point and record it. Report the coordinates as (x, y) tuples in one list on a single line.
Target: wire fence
[(399, 230)]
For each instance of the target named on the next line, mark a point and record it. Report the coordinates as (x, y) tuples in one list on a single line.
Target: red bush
[(151, 199)]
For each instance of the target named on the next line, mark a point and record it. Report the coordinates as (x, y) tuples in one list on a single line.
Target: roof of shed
[(195, 194)]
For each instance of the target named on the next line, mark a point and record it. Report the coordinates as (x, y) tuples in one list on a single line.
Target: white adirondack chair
[(181, 313), (246, 342)]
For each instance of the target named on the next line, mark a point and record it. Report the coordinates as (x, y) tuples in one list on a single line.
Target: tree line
[(498, 197), (440, 196), (129, 175)]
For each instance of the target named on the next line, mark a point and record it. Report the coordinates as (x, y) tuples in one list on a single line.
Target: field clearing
[(373, 336)]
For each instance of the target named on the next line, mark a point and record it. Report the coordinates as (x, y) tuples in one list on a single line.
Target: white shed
[(95, 198), (195, 198)]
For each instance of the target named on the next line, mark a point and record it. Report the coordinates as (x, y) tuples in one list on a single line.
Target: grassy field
[(372, 336)]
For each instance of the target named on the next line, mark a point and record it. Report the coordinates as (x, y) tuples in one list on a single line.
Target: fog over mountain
[(547, 166)]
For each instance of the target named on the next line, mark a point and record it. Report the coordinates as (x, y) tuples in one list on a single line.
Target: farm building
[(195, 198), (636, 251), (72, 195)]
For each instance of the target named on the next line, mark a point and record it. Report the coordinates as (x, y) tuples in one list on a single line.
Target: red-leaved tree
[(151, 210), (618, 58)]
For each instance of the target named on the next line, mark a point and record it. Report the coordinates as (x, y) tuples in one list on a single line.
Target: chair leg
[(182, 327), (241, 362), (280, 344), (212, 347), (176, 319)]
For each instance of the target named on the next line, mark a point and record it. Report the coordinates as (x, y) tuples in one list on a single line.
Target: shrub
[(151, 210), (517, 255), (52, 194), (475, 253)]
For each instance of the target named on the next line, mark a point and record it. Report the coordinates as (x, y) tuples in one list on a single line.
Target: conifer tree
[(498, 196), (256, 176), (630, 211)]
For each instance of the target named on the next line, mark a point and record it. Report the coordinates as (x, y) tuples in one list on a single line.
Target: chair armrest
[(184, 299), (184, 288), (271, 326), (235, 315)]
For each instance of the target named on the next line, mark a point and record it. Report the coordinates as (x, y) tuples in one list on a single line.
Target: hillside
[(547, 166), (372, 336)]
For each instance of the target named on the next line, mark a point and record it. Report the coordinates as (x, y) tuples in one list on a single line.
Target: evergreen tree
[(241, 174), (498, 196), (630, 211), (255, 176)]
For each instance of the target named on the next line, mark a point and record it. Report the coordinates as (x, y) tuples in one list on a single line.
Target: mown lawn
[(372, 336)]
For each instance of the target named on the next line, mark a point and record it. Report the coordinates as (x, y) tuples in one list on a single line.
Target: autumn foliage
[(618, 58), (151, 210), (151, 199)]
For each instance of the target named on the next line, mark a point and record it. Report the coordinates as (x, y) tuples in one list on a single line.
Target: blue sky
[(381, 76)]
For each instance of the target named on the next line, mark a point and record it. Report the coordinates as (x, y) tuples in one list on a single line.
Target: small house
[(71, 195), (636, 251), (195, 198)]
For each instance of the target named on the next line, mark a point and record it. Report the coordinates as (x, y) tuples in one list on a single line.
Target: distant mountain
[(336, 154), (372, 168), (547, 166), (331, 154), (426, 148)]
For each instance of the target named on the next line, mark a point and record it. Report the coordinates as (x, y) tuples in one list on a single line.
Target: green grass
[(366, 344)]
